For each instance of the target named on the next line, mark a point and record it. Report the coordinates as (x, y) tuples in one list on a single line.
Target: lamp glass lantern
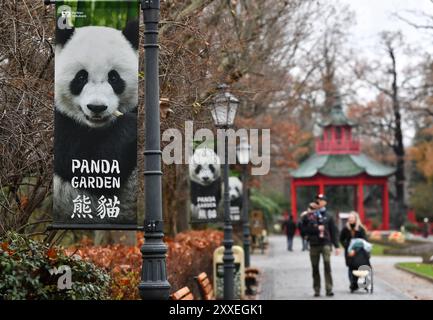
[(224, 107), (243, 151)]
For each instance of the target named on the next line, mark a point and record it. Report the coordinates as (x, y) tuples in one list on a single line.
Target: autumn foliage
[(189, 253), (422, 154)]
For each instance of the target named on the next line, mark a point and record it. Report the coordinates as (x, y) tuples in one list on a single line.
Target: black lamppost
[(154, 284), (223, 109), (243, 151)]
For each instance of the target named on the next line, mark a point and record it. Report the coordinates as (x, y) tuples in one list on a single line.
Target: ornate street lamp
[(243, 153), (223, 110), (224, 107), (154, 284)]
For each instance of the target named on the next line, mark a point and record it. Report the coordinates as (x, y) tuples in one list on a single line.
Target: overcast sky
[(374, 16)]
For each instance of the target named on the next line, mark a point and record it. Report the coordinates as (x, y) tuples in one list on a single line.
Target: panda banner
[(95, 115), (205, 184), (235, 194)]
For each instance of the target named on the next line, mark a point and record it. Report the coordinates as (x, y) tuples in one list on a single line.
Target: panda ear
[(131, 33), (63, 35)]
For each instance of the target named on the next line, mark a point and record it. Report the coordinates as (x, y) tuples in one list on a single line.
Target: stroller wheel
[(371, 282)]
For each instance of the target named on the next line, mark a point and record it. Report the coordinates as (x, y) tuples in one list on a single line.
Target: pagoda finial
[(338, 105), (337, 117)]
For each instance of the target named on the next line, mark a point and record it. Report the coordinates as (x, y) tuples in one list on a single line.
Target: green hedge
[(25, 267)]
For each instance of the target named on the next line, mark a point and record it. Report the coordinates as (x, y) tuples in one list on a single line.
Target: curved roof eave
[(310, 167), (346, 165), (373, 167)]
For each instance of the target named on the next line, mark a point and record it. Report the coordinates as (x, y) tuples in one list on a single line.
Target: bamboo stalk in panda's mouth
[(117, 113)]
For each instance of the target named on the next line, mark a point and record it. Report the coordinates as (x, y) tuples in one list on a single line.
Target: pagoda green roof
[(341, 165)]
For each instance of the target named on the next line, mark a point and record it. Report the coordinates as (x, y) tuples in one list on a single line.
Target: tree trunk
[(398, 146), (183, 205)]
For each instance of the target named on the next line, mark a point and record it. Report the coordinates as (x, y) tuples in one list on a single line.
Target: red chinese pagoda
[(338, 161)]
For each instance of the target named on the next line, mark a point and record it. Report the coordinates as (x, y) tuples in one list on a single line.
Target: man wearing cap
[(322, 234)]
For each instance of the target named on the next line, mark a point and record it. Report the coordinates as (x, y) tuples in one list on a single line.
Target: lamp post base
[(154, 284), (154, 291)]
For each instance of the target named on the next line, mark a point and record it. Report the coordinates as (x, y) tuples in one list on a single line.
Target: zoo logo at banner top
[(96, 98)]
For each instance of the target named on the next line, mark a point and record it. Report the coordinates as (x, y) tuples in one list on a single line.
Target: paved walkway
[(287, 276)]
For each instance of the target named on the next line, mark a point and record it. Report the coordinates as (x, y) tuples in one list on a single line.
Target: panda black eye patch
[(116, 82), (212, 168), (77, 84), (197, 169)]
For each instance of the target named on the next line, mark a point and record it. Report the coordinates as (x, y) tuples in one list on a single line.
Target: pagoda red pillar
[(293, 198), (385, 204), (360, 201), (321, 186)]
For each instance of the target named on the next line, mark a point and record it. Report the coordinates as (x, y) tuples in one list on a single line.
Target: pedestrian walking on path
[(426, 228), (311, 208), (352, 229), (290, 230), (322, 233)]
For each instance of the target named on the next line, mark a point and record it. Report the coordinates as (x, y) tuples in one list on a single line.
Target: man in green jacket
[(322, 234)]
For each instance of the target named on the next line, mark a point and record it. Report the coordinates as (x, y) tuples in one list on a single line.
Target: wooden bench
[(205, 287), (252, 270), (182, 294)]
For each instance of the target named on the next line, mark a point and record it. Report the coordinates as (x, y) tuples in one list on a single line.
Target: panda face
[(235, 188), (204, 167), (205, 173), (96, 75)]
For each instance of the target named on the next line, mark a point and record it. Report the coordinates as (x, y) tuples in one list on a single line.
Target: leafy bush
[(25, 267), (122, 262), (422, 201), (188, 254), (375, 223), (267, 205), (411, 227)]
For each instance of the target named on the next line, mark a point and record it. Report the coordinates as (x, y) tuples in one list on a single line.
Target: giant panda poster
[(235, 194), (205, 183), (95, 115)]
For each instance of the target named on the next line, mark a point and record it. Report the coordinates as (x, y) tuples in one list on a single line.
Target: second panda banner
[(206, 189), (96, 98)]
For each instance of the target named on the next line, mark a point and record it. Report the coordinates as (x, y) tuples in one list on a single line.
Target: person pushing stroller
[(356, 249)]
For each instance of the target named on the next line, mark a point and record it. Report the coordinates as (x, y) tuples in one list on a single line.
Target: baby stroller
[(359, 264)]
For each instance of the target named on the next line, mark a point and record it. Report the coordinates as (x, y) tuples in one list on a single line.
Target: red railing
[(337, 146)]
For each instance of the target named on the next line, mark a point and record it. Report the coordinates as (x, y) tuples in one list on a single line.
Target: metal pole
[(154, 284), (246, 222), (228, 258)]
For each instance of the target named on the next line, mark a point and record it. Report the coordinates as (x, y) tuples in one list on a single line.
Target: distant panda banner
[(205, 184), (235, 194), (96, 98)]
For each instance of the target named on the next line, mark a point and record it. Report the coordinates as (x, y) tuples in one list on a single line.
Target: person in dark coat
[(352, 229), (313, 206), (426, 228), (322, 234), (290, 229)]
